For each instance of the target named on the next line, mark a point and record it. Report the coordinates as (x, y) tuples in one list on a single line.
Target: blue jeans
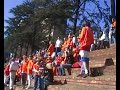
[(57, 66), (114, 38), (84, 59), (38, 83), (68, 66)]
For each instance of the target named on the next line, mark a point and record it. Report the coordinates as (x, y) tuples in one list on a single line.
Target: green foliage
[(33, 21)]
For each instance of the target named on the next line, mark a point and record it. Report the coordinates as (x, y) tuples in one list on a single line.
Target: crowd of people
[(70, 53)]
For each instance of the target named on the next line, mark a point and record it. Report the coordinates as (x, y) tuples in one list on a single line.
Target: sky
[(9, 4)]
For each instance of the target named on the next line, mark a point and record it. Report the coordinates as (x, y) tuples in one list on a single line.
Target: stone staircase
[(98, 59), (106, 81)]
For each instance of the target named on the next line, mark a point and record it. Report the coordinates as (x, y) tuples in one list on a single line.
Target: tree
[(34, 20), (113, 8)]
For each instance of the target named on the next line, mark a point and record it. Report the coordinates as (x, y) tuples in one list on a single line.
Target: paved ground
[(65, 87)]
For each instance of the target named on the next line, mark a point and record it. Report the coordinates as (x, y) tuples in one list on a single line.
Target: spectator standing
[(23, 68), (50, 48), (6, 73), (13, 68), (74, 40), (58, 45), (110, 34), (86, 39), (29, 70)]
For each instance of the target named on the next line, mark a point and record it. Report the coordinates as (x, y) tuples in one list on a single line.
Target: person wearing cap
[(38, 81), (13, 68), (49, 77), (29, 70), (86, 38), (23, 71)]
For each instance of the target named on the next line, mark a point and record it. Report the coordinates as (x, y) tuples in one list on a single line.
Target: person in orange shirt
[(64, 45), (49, 59), (114, 23), (29, 70), (56, 63), (50, 48), (6, 73), (69, 40), (86, 39), (75, 54), (23, 71), (38, 71)]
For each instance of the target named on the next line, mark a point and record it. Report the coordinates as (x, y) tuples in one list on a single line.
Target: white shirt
[(103, 36), (13, 66), (53, 55), (74, 39), (58, 43)]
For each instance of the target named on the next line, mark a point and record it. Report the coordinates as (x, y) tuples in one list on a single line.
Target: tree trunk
[(33, 39), (76, 16), (27, 47), (15, 52), (113, 8), (49, 35), (21, 47)]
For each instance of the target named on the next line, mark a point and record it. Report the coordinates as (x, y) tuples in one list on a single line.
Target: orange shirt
[(59, 59), (71, 44), (69, 41), (24, 67), (48, 60), (30, 66), (86, 38), (6, 70), (50, 49), (36, 67), (114, 24), (64, 45)]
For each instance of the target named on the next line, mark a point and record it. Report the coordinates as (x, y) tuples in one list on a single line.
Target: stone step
[(104, 73), (101, 61), (105, 54), (77, 87), (90, 81), (102, 77), (112, 67)]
